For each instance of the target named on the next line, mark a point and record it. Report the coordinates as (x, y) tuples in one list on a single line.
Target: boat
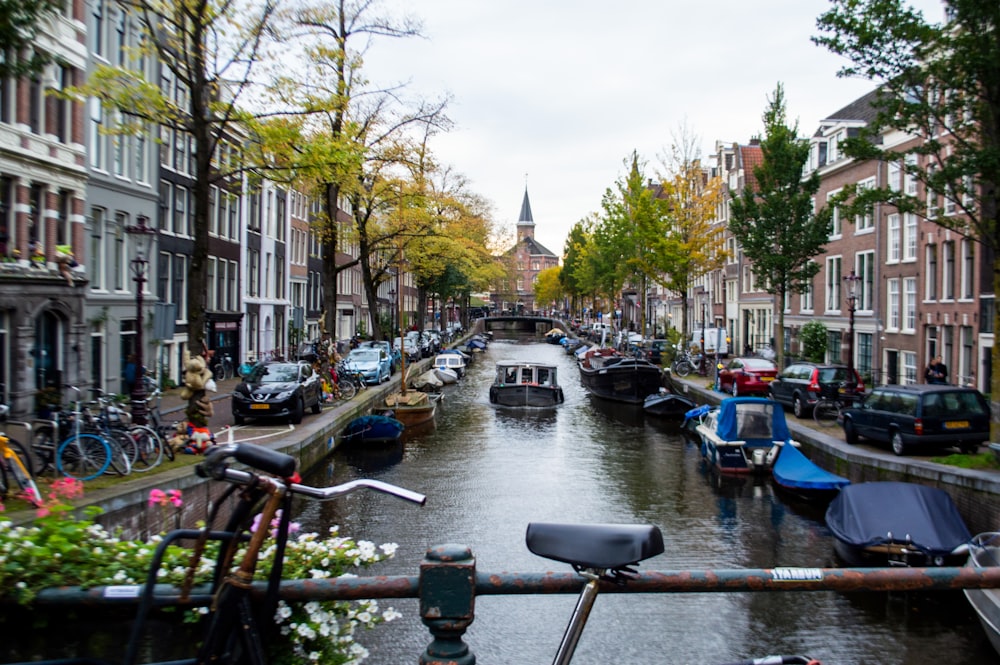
[(610, 375), (897, 524), (796, 474), (984, 552), (525, 384), (445, 375), (554, 336), (667, 405), (412, 407), (743, 435), (695, 417), (427, 382), (452, 361), (374, 428)]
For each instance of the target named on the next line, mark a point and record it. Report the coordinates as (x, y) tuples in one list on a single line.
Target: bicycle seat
[(607, 546)]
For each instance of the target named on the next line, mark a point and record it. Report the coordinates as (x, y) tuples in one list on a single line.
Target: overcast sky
[(556, 94)]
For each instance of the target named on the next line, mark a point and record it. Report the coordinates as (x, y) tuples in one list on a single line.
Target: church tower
[(525, 222)]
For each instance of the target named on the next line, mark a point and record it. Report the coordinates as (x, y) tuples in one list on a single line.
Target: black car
[(659, 350), (800, 385), (932, 415), (277, 390)]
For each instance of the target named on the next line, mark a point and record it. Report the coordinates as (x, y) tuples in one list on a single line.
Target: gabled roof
[(751, 156), (535, 248), (525, 215), (862, 109)]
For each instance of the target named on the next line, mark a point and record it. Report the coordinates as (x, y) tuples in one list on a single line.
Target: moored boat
[(795, 473), (610, 375), (743, 435), (984, 552), (526, 384), (373, 428), (666, 404), (897, 524), (452, 361), (445, 375), (412, 407)]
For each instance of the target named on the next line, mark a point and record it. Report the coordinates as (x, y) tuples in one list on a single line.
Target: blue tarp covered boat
[(796, 473), (897, 523), (374, 428), (743, 434)]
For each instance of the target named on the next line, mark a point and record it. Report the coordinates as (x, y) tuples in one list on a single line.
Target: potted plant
[(48, 400)]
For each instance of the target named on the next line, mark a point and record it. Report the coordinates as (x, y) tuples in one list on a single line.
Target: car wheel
[(735, 390), (238, 419), (968, 448), (297, 412), (898, 447), (850, 434), (317, 407), (798, 406)]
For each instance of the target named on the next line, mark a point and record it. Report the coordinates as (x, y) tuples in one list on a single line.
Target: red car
[(747, 376)]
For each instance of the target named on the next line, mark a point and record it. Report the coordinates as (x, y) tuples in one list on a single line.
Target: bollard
[(447, 603)]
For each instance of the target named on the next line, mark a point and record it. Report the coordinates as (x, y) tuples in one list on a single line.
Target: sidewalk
[(171, 401)]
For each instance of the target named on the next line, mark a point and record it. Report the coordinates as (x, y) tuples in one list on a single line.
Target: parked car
[(747, 376), (389, 349), (800, 385), (372, 363), (409, 346), (929, 415), (658, 350), (277, 390)]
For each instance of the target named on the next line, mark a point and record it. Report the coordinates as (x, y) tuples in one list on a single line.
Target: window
[(909, 237), (909, 359), (833, 282), (909, 179), (968, 268), (96, 31), (178, 285), (892, 305), (910, 304), (948, 270), (932, 196), (163, 278), (866, 221), (96, 138), (180, 210), (864, 353), (253, 257), (895, 176), (966, 357), (95, 258), (806, 298), (211, 284), (141, 155), (866, 283), (836, 226), (892, 240), (931, 276)]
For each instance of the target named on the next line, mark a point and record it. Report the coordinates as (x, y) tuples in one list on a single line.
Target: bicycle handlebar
[(277, 463)]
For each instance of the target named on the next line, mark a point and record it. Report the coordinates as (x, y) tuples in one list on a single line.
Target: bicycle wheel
[(44, 444), (682, 368), (347, 389), (149, 448), (18, 468), (123, 450), (825, 413), (83, 457)]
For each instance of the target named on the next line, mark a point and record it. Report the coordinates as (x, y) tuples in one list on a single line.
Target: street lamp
[(852, 301), (392, 315), (140, 264)]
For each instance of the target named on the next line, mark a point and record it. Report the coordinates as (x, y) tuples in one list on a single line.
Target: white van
[(715, 338)]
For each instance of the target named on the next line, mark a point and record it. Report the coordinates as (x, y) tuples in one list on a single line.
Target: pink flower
[(157, 497), (175, 498)]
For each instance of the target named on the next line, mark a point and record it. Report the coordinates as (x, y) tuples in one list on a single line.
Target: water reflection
[(489, 471)]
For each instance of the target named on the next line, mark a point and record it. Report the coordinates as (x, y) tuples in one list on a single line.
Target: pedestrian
[(937, 371), (130, 374)]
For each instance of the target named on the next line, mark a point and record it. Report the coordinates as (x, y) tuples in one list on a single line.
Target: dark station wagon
[(920, 415)]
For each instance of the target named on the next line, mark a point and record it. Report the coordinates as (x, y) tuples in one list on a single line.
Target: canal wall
[(975, 492)]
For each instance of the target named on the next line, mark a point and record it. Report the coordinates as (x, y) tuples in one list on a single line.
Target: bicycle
[(833, 399), (223, 368), (163, 432), (15, 464), (686, 363), (82, 455)]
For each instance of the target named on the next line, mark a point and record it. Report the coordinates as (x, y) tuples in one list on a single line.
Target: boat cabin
[(540, 375)]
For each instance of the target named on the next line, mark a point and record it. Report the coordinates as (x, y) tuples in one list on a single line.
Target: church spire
[(525, 216)]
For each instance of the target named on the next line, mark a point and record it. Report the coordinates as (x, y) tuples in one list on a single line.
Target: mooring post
[(447, 603)]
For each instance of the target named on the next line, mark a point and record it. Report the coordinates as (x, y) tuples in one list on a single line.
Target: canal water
[(489, 471)]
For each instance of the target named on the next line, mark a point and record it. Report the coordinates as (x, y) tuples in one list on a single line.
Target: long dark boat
[(610, 375), (897, 523), (666, 404)]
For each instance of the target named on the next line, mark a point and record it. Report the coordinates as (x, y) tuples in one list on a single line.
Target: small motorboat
[(451, 361), (897, 524), (796, 474), (525, 384), (666, 404), (554, 336), (445, 375), (743, 435), (984, 552), (374, 428), (427, 382)]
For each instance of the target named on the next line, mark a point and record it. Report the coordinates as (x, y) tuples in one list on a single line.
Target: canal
[(488, 472)]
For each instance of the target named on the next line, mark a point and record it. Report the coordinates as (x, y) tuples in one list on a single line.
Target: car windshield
[(363, 356), (273, 374), (832, 374), (758, 364)]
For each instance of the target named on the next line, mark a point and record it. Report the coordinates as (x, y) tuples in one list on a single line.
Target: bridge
[(520, 325)]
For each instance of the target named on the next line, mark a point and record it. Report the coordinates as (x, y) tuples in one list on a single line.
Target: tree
[(19, 22), (548, 288), (814, 341), (939, 83), (207, 51), (775, 222)]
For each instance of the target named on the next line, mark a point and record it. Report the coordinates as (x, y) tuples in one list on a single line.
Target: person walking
[(937, 371)]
